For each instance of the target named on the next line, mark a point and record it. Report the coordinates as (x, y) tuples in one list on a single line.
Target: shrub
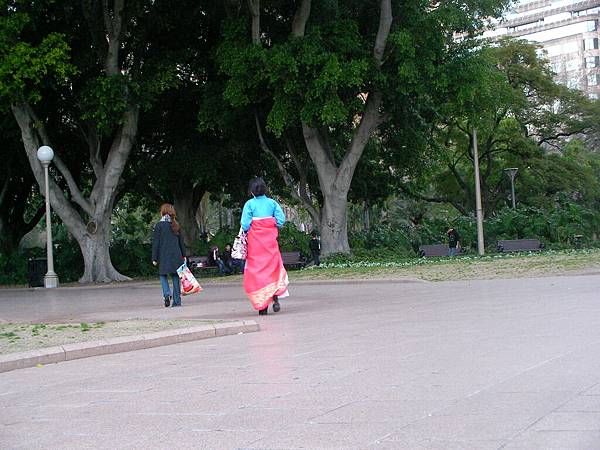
[(292, 239)]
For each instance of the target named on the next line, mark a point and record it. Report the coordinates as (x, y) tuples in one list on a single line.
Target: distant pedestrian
[(453, 242), (265, 278), (227, 260), (315, 248), (168, 253), (216, 259)]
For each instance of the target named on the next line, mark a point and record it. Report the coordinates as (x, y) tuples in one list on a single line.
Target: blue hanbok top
[(259, 208)]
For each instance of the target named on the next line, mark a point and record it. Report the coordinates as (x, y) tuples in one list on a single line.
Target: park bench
[(293, 259), (200, 263), (432, 250), (519, 245)]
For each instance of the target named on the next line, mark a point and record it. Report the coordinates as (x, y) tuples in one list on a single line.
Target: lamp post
[(478, 207), (45, 155), (512, 173)]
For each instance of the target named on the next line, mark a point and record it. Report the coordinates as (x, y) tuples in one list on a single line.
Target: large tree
[(521, 114), (340, 74), (76, 75)]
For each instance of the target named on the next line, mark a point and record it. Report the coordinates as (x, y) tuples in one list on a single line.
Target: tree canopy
[(331, 102)]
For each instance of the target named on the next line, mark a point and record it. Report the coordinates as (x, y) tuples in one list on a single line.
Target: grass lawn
[(538, 264)]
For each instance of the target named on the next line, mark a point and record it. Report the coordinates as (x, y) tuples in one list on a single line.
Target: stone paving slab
[(78, 350), (437, 366)]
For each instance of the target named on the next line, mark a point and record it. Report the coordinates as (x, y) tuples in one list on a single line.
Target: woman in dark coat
[(168, 252)]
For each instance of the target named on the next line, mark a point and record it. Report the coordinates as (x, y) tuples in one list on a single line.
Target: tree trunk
[(366, 216), (89, 225), (7, 242), (334, 179), (334, 224), (98, 267), (202, 212), (186, 216)]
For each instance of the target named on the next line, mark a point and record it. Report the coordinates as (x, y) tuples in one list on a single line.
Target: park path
[(481, 365)]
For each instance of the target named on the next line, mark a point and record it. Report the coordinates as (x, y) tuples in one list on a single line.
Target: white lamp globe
[(45, 154)]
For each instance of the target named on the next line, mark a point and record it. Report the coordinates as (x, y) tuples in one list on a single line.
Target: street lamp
[(45, 155), (512, 173)]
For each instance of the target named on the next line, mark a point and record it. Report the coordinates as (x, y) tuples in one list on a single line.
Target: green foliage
[(131, 243), (26, 67), (13, 268), (382, 238), (292, 239), (105, 100), (555, 227), (309, 77), (221, 238)]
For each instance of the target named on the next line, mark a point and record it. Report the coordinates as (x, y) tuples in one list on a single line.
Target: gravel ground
[(18, 337)]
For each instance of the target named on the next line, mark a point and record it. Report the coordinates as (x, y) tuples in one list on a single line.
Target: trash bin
[(36, 269), (578, 240)]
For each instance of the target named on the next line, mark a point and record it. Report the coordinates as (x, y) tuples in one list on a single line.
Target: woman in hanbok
[(265, 278)]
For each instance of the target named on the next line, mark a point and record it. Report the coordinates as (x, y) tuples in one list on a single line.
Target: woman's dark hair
[(257, 187)]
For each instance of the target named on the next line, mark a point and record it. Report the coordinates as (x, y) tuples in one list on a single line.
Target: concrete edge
[(69, 352)]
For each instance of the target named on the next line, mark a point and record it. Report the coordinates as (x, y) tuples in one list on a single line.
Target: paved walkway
[(501, 364)]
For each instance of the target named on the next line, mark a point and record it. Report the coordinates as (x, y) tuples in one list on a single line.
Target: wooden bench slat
[(200, 262), (433, 250), (519, 245), (293, 259)]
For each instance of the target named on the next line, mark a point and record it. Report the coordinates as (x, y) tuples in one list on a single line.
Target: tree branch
[(254, 6), (105, 189), (459, 179), (372, 118), (94, 145), (369, 122), (96, 26), (76, 194), (287, 177), (32, 142), (28, 226), (554, 137), (4, 190), (448, 200), (303, 182), (326, 168), (385, 24), (300, 18), (113, 26), (107, 19)]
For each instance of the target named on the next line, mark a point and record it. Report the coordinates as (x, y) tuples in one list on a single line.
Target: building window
[(586, 12), (573, 83), (592, 61), (571, 65), (555, 66), (590, 44), (592, 80), (526, 26), (591, 25)]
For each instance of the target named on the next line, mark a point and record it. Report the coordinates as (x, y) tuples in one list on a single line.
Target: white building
[(568, 32)]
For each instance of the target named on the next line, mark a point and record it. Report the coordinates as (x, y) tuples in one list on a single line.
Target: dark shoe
[(276, 305), (175, 304), (263, 312), (167, 301)]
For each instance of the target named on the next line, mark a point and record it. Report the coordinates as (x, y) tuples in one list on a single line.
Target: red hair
[(168, 209)]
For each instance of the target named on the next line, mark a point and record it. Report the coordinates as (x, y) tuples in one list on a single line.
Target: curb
[(210, 282), (69, 352)]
